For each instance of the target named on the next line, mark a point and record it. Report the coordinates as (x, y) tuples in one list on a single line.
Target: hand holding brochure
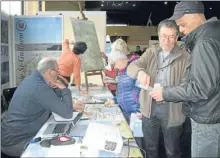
[(137, 84)]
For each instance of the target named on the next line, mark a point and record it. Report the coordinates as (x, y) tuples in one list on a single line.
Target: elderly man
[(202, 92), (32, 103), (163, 64)]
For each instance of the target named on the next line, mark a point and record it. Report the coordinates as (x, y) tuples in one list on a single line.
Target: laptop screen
[(73, 123)]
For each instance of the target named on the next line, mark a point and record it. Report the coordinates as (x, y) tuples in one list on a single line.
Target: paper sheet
[(72, 150), (109, 116), (136, 126), (61, 119)]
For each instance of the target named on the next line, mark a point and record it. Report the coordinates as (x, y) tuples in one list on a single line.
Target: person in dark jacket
[(201, 95), (31, 105)]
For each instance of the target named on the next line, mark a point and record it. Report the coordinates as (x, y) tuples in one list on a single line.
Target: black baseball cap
[(187, 7)]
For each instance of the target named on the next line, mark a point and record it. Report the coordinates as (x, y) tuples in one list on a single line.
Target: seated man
[(31, 105)]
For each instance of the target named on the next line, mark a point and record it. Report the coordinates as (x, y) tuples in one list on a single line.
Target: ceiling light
[(134, 5), (126, 2), (165, 3), (210, 8), (102, 5), (115, 33)]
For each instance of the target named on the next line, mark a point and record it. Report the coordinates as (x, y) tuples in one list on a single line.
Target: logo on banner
[(21, 25)]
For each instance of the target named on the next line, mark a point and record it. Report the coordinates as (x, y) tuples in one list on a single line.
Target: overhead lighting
[(210, 8), (102, 5), (134, 5), (165, 3), (126, 2), (115, 33)]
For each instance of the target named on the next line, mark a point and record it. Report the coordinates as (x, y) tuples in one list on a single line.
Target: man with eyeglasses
[(161, 64), (31, 105), (201, 94)]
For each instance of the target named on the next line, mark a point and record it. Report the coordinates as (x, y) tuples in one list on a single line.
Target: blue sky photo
[(39, 30)]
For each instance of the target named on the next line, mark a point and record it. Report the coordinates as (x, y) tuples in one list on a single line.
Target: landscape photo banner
[(85, 31), (34, 38), (4, 49)]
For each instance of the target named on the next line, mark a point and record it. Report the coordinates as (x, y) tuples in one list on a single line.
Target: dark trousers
[(151, 129)]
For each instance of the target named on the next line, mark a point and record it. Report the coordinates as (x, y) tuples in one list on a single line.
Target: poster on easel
[(4, 50), (34, 38), (85, 31)]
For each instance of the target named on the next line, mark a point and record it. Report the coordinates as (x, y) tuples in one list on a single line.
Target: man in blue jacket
[(31, 105)]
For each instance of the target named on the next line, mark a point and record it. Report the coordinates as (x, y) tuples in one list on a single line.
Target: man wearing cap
[(201, 95), (69, 62)]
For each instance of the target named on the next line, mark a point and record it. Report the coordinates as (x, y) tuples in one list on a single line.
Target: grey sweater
[(30, 108)]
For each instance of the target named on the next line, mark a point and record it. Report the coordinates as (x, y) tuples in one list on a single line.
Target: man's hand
[(156, 93), (109, 103), (143, 78), (139, 115), (57, 84), (78, 106)]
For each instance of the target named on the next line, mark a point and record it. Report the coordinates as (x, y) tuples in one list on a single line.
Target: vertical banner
[(34, 38), (4, 49), (85, 31)]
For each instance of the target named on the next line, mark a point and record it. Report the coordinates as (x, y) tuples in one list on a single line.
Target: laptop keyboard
[(59, 128)]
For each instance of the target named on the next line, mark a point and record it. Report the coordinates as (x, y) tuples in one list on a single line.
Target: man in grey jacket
[(31, 105), (201, 94)]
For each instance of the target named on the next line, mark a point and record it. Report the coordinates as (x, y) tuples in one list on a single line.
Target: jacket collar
[(192, 37), (175, 52)]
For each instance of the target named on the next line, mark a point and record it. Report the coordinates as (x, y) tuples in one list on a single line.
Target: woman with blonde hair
[(127, 93)]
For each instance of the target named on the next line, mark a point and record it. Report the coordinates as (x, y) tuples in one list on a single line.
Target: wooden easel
[(92, 73)]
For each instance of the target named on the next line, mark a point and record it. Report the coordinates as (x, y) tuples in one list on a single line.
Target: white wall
[(11, 7)]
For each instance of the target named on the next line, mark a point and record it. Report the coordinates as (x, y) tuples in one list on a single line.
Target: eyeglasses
[(168, 37), (57, 71)]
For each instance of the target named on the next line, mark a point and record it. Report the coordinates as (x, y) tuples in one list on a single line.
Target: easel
[(92, 73)]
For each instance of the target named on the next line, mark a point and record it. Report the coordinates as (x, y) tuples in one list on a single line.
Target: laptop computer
[(61, 128)]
